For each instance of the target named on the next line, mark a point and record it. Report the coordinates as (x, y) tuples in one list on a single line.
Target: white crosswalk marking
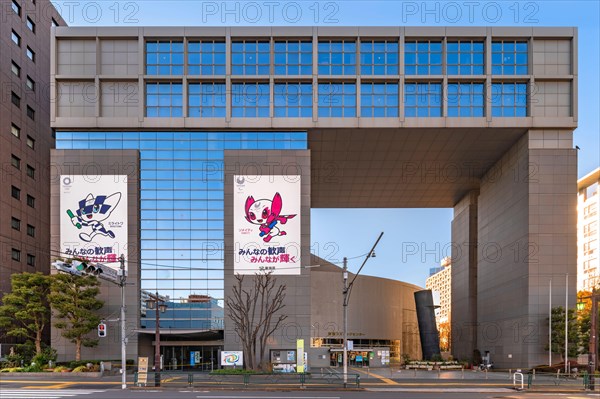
[(45, 393)]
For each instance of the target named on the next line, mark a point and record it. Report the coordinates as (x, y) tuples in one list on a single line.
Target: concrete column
[(527, 220), (464, 277)]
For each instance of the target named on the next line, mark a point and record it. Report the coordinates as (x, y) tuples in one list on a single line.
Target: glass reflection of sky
[(181, 210)]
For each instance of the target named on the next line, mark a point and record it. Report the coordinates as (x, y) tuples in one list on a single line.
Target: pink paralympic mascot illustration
[(267, 213)]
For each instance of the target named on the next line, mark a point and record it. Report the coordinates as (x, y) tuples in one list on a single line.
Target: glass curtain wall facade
[(182, 212)]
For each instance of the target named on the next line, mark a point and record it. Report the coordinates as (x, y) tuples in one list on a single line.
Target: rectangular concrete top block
[(468, 31), (159, 31), (292, 31), (337, 31), (379, 31), (202, 31), (512, 31), (433, 31), (548, 31), (250, 31)]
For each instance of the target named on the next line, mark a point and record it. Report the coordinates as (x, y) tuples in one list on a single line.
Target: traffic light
[(102, 330)]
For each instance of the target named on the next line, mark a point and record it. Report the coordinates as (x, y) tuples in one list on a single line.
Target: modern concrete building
[(25, 138), (476, 119), (588, 219), (441, 284)]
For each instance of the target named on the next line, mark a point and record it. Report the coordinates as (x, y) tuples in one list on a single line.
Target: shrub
[(80, 369), (12, 370), (60, 369), (45, 357), (33, 368), (233, 371)]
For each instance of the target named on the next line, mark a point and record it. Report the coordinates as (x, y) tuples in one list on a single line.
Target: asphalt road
[(170, 394)]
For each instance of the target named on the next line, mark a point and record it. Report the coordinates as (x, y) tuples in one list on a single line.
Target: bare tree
[(253, 312)]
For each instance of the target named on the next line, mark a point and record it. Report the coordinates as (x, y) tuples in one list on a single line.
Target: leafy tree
[(24, 312), (74, 302), (445, 334), (558, 333), (584, 318), (252, 310)]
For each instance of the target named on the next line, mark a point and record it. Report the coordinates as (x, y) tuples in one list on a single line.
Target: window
[(16, 38), (164, 57), (206, 57), (30, 83), (207, 100), (16, 69), (54, 23), (379, 100), (30, 113), (465, 99), (30, 142), (15, 254), (30, 24), (15, 161), (30, 54), (16, 7), (15, 223), (591, 190), (164, 100), (16, 100), (293, 100), (293, 57), (379, 57), (250, 100), (30, 230), (337, 100), (15, 130), (30, 260), (465, 57), (423, 58), (509, 57), (15, 192), (422, 100), (250, 57), (30, 201), (337, 57), (30, 171), (509, 99)]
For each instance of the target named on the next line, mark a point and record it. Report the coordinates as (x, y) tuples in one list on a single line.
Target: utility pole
[(123, 280), (567, 323), (345, 359)]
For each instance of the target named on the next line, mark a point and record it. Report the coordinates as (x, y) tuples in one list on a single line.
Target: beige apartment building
[(588, 219), (440, 283)]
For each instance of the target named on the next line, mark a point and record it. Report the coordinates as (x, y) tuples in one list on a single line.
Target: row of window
[(16, 70), (16, 131), (16, 225), (252, 100), (16, 100), (335, 57), (16, 162), (17, 40), (15, 192), (16, 256), (16, 7)]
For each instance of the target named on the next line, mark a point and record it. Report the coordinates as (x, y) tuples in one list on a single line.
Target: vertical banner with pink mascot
[(267, 224)]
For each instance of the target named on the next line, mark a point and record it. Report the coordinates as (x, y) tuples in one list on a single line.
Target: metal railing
[(192, 379)]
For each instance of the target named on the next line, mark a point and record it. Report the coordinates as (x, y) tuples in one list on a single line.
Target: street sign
[(142, 370), (350, 345)]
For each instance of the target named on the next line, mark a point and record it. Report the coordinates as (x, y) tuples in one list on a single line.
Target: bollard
[(510, 374), (439, 370), (415, 371), (462, 372), (486, 373), (534, 374)]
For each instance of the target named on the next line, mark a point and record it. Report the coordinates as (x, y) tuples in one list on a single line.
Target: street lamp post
[(346, 297), (160, 307)]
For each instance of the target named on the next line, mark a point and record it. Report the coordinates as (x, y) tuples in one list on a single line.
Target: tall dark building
[(25, 136)]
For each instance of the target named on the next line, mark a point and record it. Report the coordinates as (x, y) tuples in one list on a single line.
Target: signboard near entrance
[(142, 370), (232, 358)]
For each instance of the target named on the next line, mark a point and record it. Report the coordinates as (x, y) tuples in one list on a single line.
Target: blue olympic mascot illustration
[(92, 212)]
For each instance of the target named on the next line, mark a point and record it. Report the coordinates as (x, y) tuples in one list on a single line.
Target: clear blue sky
[(425, 231)]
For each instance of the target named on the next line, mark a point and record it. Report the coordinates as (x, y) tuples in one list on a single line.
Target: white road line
[(269, 397), (44, 393)]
